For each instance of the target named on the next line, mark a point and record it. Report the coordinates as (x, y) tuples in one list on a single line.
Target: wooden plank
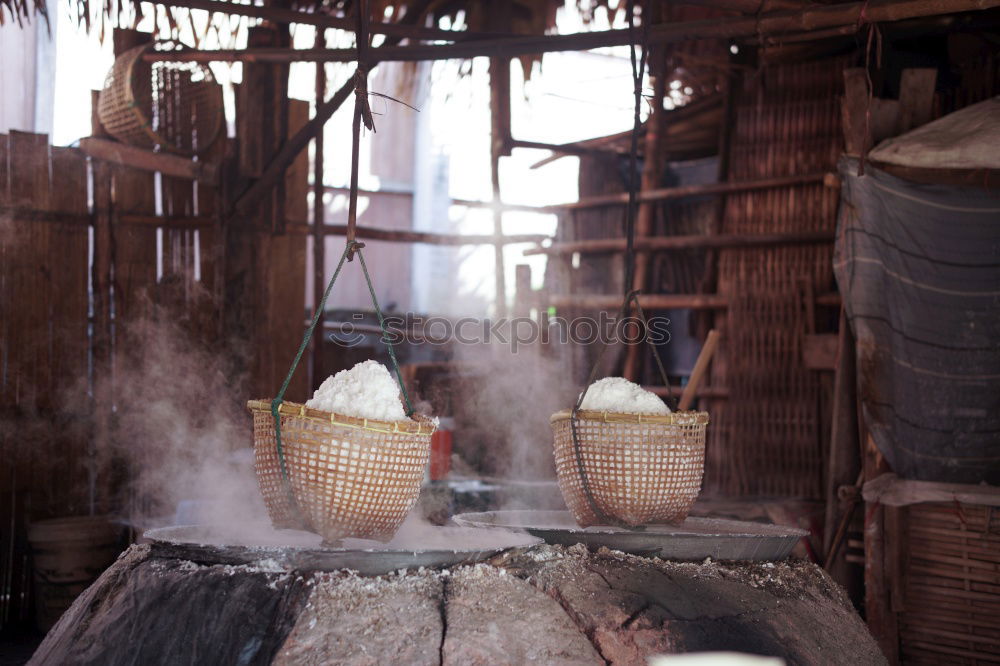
[(819, 351), (882, 621), (135, 256), (916, 97), (297, 175), (891, 490), (4, 170), (854, 110), (29, 170), (101, 339), (147, 160), (69, 173)]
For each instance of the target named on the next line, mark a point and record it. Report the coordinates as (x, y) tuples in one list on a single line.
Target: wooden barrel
[(69, 554)]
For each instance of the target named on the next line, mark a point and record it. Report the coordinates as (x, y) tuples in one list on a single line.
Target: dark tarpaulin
[(919, 270)]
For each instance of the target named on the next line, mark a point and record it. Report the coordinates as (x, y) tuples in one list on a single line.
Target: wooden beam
[(702, 391), (171, 222), (660, 301), (147, 160), (564, 148), (744, 6), (890, 490), (405, 236), (687, 242), (28, 214), (666, 193), (776, 23), (648, 301), (321, 20)]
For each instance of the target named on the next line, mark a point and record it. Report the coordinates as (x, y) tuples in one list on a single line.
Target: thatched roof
[(527, 17)]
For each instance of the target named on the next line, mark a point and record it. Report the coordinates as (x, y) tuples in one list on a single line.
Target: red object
[(440, 454)]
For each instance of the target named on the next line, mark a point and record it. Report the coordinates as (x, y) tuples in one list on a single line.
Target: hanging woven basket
[(346, 477), (635, 469), (176, 106)]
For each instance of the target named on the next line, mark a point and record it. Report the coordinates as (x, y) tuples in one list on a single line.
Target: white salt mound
[(366, 391), (617, 394)]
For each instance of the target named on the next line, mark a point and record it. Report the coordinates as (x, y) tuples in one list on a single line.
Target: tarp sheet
[(965, 139), (919, 270)]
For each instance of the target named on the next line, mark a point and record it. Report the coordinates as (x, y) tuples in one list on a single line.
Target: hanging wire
[(638, 72)]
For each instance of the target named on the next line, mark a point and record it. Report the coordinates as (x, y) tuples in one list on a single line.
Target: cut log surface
[(548, 605)]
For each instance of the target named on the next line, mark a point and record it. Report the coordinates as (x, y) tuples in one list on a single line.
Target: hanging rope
[(631, 295), (362, 113)]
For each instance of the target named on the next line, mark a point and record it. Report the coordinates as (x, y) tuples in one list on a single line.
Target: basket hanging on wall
[(176, 106)]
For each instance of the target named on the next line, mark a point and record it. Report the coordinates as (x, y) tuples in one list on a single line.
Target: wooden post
[(499, 145), (916, 97), (522, 290), (844, 462), (319, 219), (100, 453), (651, 170), (880, 566)]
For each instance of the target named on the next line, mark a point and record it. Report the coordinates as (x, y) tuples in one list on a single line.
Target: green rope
[(385, 336), (276, 403)]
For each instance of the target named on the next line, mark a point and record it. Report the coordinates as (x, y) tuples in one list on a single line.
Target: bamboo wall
[(768, 438), (43, 347), (172, 264)]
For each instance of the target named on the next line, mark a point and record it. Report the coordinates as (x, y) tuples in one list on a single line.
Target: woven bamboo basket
[(640, 469), (348, 476), (174, 105)]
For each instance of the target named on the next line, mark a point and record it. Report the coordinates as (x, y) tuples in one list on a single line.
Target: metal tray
[(278, 550), (694, 539)]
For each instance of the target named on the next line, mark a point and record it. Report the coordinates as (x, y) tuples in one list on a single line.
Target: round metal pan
[(694, 539), (301, 551)]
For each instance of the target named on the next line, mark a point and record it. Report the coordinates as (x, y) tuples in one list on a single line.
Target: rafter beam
[(776, 23)]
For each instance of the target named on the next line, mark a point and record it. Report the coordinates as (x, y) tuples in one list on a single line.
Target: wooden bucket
[(69, 554)]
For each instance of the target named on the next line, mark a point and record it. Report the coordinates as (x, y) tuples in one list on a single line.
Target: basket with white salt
[(350, 461), (624, 458)]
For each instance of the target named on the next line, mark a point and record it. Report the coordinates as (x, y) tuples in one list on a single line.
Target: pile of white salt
[(366, 391), (617, 394)]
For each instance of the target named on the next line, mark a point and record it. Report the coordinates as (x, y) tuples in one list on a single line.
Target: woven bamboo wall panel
[(951, 585), (766, 439), (43, 348)]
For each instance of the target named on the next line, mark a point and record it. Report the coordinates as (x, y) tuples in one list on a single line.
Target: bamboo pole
[(147, 160), (687, 242), (319, 219), (700, 366), (818, 17), (666, 193), (405, 236)]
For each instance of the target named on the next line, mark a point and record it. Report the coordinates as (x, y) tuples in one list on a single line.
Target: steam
[(181, 428), (511, 400)]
